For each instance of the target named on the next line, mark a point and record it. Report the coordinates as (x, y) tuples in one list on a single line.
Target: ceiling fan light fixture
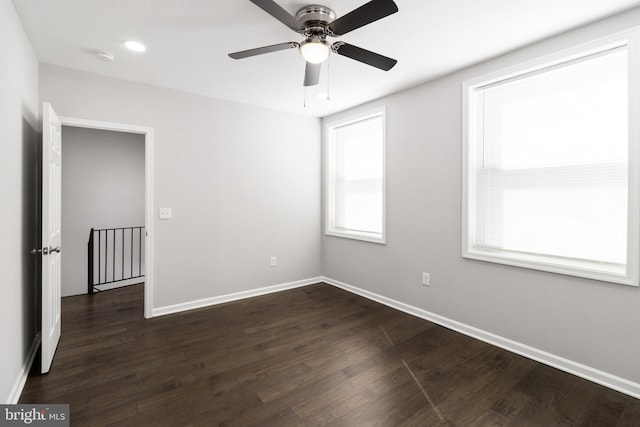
[(315, 51)]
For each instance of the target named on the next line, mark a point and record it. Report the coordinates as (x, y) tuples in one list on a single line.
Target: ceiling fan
[(316, 23)]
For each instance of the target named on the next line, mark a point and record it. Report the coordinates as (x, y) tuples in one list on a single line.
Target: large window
[(552, 165), (355, 163)]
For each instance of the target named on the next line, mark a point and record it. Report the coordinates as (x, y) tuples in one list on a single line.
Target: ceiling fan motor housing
[(315, 19)]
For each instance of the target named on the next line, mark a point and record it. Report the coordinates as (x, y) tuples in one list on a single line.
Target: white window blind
[(355, 178), (549, 168)]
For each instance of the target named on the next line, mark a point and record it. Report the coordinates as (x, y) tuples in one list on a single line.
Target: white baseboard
[(206, 302), (595, 375), (16, 391), (120, 284)]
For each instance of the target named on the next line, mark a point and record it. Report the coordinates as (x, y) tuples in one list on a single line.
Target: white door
[(51, 213)]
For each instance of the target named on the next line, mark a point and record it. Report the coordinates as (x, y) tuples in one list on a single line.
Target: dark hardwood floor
[(312, 356)]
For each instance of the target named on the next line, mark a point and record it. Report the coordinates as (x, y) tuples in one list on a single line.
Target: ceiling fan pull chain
[(328, 79)]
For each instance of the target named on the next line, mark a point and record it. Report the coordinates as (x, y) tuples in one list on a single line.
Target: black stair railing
[(114, 255)]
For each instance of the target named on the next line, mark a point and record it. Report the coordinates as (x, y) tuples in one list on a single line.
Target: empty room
[(354, 213)]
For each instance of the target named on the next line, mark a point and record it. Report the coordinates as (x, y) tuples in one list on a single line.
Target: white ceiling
[(188, 41)]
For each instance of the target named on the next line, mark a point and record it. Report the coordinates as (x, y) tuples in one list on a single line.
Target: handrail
[(107, 259)]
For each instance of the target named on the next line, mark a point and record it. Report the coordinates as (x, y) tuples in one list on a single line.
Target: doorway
[(147, 134)]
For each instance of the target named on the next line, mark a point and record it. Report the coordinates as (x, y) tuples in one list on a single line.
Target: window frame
[(548, 263), (329, 178)]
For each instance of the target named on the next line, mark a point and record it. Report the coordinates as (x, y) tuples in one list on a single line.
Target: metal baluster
[(90, 265), (122, 271), (140, 251)]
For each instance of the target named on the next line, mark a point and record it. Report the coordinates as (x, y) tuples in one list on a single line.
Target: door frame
[(148, 192)]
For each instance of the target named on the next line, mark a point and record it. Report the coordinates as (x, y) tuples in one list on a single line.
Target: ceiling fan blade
[(363, 55), (365, 14), (312, 74), (264, 49), (275, 10)]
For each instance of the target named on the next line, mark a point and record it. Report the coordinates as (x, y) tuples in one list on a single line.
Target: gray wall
[(18, 177), (102, 187), (243, 182), (587, 321)]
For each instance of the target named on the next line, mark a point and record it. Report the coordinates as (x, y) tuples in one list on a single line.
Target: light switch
[(165, 213)]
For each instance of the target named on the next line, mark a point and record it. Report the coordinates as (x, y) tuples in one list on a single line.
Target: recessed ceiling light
[(135, 46)]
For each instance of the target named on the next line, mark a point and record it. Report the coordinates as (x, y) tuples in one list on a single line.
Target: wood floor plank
[(311, 356)]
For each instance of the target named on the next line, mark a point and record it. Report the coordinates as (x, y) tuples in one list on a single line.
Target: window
[(355, 168), (552, 165)]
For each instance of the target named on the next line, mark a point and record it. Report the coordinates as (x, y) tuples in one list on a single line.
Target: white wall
[(102, 187), (243, 182), (18, 177), (586, 321)]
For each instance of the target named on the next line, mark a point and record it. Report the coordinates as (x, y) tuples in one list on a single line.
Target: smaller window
[(355, 170)]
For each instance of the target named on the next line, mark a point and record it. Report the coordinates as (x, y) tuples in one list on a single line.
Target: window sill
[(589, 270), (358, 235)]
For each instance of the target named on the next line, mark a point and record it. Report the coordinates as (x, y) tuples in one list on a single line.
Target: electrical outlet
[(165, 213), (426, 279), (273, 261)]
